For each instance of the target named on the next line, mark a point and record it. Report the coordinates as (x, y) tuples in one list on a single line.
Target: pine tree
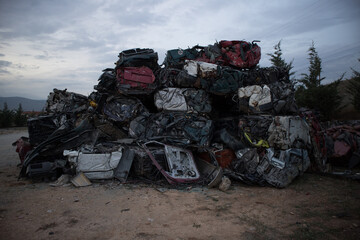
[(313, 79), (324, 98), (6, 116), (278, 61), (353, 89), (19, 118)]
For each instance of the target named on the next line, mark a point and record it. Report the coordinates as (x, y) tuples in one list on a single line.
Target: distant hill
[(26, 103)]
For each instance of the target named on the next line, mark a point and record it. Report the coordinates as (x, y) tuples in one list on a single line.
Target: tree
[(311, 94), (324, 98), (353, 89), (19, 117), (6, 116), (278, 61), (313, 79)]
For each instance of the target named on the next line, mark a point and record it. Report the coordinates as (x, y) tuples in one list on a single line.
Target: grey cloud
[(4, 63), (44, 56), (4, 72), (4, 44), (31, 18), (2, 55), (135, 19), (20, 66), (41, 57), (80, 43), (17, 65), (134, 13), (307, 18)]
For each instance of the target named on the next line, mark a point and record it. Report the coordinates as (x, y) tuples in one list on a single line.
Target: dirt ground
[(312, 207)]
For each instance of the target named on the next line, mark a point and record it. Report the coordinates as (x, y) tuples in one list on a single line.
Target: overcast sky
[(66, 44)]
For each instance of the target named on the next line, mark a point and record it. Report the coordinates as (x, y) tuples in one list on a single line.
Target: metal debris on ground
[(206, 115)]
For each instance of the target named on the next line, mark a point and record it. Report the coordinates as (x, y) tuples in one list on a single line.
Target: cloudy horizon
[(66, 44)]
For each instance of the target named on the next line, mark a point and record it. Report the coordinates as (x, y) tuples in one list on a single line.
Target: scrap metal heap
[(205, 113)]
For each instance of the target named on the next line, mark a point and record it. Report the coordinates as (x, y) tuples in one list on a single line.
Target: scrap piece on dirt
[(23, 146), (123, 168), (62, 180), (225, 184), (45, 170), (209, 172), (182, 99), (80, 180), (180, 163), (162, 190), (53, 147)]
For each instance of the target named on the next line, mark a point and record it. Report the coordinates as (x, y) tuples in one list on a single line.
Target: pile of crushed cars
[(206, 115)]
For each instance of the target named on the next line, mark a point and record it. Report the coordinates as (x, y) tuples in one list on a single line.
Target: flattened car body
[(136, 80), (138, 57), (240, 54), (175, 58), (62, 101), (123, 109), (182, 99), (180, 163), (289, 131), (95, 165), (259, 98), (277, 167), (177, 128), (200, 69), (275, 98)]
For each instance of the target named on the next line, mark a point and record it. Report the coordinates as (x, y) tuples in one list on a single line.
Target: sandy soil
[(313, 207)]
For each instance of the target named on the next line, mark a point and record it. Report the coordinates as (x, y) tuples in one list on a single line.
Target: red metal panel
[(135, 76)]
